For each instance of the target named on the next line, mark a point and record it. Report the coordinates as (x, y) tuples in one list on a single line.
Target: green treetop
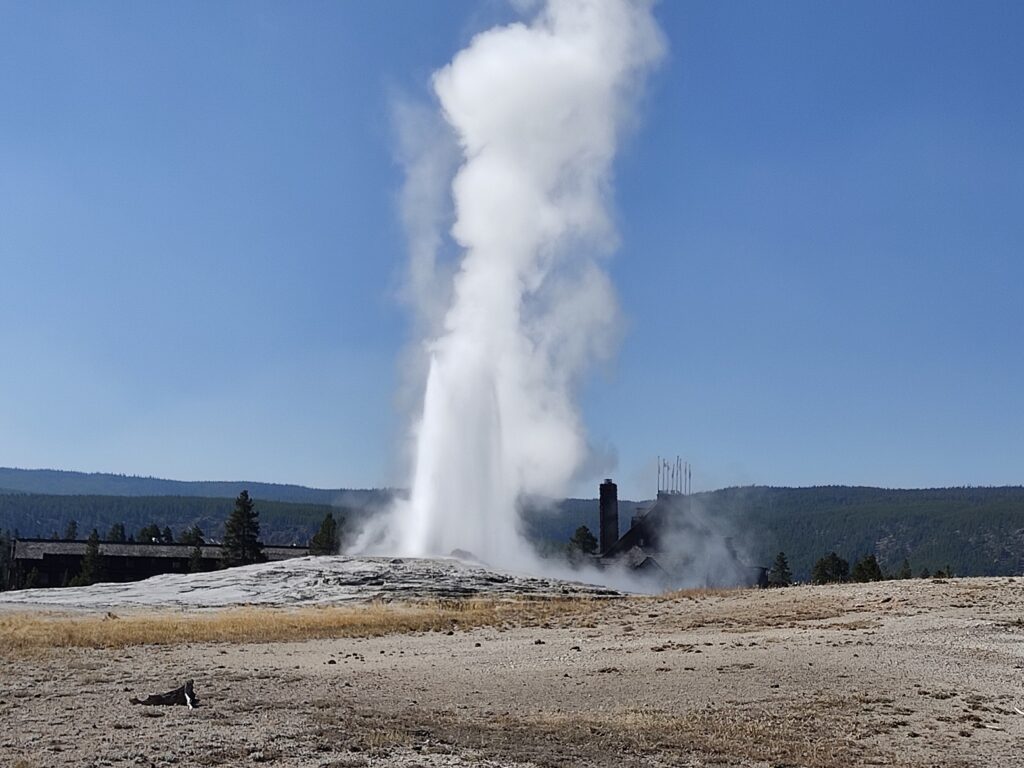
[(325, 541), (830, 568), (779, 575), (583, 541), (242, 533)]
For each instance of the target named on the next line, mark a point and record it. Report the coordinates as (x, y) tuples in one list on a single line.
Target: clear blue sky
[(821, 219)]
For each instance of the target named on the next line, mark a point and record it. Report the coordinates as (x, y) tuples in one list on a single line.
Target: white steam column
[(537, 109)]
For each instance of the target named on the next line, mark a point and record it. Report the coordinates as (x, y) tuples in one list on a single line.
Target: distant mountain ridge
[(59, 482)]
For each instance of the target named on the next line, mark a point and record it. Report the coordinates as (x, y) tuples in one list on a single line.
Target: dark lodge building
[(672, 543), (50, 563)]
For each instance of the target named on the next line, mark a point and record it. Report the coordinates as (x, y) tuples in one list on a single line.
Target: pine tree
[(71, 531), (92, 563), (166, 535), (866, 569), (325, 541), (779, 575), (5, 559), (583, 541), (242, 533), (116, 533), (195, 561), (192, 536), (905, 572), (831, 568)]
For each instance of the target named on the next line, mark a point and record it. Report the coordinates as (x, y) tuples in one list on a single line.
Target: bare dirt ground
[(912, 673)]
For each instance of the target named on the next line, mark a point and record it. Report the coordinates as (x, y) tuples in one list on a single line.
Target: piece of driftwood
[(185, 695)]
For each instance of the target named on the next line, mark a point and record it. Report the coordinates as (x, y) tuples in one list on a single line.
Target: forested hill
[(34, 515), (974, 531), (63, 483)]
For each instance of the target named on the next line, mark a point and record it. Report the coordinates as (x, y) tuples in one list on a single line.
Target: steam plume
[(536, 109)]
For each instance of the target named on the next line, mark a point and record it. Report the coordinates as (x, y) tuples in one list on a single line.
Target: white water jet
[(537, 109)]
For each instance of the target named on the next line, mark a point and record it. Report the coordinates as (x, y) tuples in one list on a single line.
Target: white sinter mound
[(306, 581)]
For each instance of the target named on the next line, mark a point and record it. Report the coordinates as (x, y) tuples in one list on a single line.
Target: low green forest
[(973, 531), (42, 516), (970, 531)]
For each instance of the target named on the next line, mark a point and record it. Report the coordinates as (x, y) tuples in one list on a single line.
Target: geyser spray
[(536, 109)]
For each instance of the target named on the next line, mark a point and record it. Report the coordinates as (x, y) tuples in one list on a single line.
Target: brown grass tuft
[(26, 632)]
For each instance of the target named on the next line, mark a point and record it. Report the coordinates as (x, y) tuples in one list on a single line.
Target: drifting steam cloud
[(536, 110)]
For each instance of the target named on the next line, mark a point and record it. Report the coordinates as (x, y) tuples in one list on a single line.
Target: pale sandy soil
[(913, 673)]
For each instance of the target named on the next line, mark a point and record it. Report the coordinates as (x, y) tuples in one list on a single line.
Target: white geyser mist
[(536, 109)]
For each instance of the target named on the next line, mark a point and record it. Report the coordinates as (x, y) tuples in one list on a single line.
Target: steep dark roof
[(652, 546), (667, 508), (37, 549)]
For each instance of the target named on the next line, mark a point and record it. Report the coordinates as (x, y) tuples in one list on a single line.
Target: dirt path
[(895, 673)]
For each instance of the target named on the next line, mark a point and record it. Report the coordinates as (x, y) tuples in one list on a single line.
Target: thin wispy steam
[(429, 155), (537, 109)]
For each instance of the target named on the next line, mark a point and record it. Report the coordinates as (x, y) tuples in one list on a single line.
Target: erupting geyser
[(536, 110)]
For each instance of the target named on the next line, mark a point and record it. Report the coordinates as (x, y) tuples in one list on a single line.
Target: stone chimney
[(609, 506)]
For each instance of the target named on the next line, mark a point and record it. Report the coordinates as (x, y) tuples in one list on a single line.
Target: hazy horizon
[(635, 497)]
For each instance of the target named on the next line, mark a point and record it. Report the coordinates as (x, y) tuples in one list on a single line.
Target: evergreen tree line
[(148, 534), (72, 517), (969, 531), (833, 569), (241, 542), (830, 568)]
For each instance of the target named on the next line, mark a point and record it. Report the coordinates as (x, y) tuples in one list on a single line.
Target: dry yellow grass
[(698, 593), (744, 609), (26, 632), (801, 734)]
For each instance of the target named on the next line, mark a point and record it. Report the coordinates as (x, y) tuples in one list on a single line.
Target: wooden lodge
[(52, 563), (667, 544)]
